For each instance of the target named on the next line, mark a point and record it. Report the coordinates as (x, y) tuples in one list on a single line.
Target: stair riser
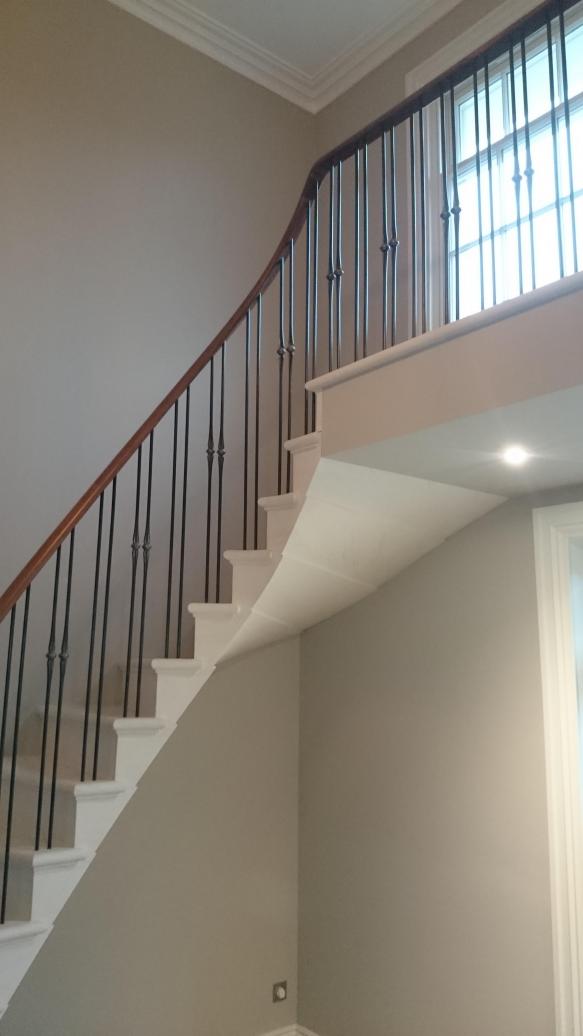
[(304, 465), (211, 636), (134, 753), (250, 580), (16, 956), (95, 816), (174, 695), (280, 522), (39, 893)]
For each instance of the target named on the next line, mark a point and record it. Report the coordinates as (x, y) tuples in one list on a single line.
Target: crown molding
[(310, 92)]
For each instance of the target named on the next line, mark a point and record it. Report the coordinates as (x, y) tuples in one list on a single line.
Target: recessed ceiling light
[(516, 456)]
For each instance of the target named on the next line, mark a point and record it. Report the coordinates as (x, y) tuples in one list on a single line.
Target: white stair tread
[(301, 443), (214, 611), (249, 557), (178, 666), (286, 501), (14, 930), (144, 724)]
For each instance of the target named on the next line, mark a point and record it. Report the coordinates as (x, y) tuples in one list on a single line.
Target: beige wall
[(189, 912), (143, 189), (385, 86), (424, 883)]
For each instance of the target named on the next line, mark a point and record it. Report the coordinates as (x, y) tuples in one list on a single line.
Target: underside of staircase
[(333, 539)]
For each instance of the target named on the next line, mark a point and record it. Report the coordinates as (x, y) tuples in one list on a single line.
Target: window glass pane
[(537, 84), (467, 119), (574, 48)]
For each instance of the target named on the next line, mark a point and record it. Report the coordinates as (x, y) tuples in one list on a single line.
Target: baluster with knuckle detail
[(567, 109), (291, 348), (307, 317), (104, 625), (146, 548), (63, 660), (455, 206), (385, 246), (257, 401), (338, 268), (183, 523), (220, 466), (135, 548), (331, 275), (490, 177), (445, 213), (51, 658), (210, 457), (315, 298), (528, 170), (15, 740), (554, 131), (281, 354), (517, 176)]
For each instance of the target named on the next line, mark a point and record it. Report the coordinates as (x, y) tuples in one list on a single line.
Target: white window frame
[(554, 530)]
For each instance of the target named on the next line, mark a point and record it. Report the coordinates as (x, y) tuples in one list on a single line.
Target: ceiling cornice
[(311, 92)]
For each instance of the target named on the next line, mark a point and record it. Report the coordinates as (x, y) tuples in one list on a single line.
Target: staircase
[(349, 507)]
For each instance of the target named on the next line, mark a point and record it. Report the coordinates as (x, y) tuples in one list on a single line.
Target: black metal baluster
[(257, 388), (455, 207), (104, 628), (528, 171), (50, 656), (7, 679), (517, 177), (291, 348), (135, 554), (146, 548), (555, 147), (246, 429), (412, 170), (479, 186), (92, 639), (423, 223), (63, 660), (15, 736), (331, 274), (567, 107), (220, 464), (445, 212), (281, 351), (171, 542), (338, 269), (356, 251), (183, 523), (210, 457), (385, 242), (315, 300), (365, 250), (394, 241), (307, 324), (490, 181)]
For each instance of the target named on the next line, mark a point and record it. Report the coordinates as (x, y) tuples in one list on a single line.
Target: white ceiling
[(309, 51)]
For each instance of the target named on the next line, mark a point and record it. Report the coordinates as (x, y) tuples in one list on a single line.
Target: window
[(514, 235)]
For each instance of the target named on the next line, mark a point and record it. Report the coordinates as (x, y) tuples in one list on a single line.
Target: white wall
[(189, 912), (424, 880)]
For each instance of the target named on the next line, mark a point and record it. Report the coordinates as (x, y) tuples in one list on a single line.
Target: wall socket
[(279, 992)]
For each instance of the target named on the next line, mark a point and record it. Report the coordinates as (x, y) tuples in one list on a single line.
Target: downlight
[(515, 456)]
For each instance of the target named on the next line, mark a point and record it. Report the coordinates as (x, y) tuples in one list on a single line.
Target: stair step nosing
[(14, 930), (284, 502)]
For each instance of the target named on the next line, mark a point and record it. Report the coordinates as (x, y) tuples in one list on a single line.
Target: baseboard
[(291, 1030)]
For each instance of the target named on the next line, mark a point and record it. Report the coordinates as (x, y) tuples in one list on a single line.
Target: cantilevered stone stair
[(339, 534)]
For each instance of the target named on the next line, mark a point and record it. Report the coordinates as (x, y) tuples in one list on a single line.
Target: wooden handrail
[(319, 170)]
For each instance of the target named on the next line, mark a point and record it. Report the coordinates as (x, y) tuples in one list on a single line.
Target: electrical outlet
[(279, 992)]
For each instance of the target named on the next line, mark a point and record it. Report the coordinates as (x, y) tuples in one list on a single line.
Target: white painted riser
[(338, 536)]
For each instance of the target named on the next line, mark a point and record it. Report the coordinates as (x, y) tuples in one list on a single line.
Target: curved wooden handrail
[(319, 170)]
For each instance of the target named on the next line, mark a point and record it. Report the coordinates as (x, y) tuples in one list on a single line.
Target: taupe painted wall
[(143, 189), (189, 912), (424, 881)]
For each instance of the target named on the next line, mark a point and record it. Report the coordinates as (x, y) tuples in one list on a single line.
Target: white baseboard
[(291, 1030)]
